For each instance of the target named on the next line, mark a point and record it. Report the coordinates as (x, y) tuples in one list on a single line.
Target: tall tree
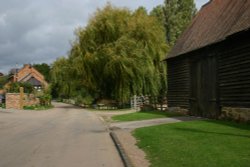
[(178, 14), (158, 12), (175, 16), (61, 77), (3, 81), (118, 54), (43, 69)]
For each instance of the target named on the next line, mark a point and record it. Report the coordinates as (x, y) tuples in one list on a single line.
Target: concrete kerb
[(117, 143), (125, 159)]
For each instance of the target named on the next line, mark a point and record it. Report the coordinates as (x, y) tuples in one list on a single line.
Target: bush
[(29, 107), (45, 100), (2, 105), (15, 87), (86, 101)]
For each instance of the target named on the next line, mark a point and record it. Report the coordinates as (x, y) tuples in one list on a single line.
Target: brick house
[(30, 75)]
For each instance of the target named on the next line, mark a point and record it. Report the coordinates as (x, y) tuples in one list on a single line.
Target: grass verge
[(108, 110), (38, 107), (144, 115), (196, 143)]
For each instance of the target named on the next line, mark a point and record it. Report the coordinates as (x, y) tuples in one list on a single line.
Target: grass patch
[(108, 110), (38, 107), (144, 115), (196, 143)]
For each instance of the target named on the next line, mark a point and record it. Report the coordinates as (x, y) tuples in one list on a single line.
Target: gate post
[(21, 97)]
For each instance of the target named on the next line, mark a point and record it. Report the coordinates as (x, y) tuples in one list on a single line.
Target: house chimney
[(26, 65)]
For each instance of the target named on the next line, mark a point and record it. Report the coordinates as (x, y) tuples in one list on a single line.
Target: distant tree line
[(44, 69)]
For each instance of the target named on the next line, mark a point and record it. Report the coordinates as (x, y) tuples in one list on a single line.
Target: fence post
[(135, 102), (21, 97)]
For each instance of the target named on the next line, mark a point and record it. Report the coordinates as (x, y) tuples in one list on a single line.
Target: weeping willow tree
[(118, 54)]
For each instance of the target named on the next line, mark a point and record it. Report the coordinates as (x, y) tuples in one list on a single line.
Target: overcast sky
[(37, 31)]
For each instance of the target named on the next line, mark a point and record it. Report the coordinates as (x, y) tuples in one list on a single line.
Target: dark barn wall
[(178, 82), (234, 72), (203, 87), (212, 80)]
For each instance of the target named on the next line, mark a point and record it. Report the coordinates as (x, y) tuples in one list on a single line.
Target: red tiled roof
[(216, 20)]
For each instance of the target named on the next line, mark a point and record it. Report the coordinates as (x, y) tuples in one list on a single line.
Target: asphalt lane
[(65, 136)]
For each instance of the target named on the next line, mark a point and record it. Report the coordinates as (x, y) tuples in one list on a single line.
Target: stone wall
[(178, 110), (14, 101), (237, 114)]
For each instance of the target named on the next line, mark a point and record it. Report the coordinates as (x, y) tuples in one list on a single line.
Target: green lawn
[(196, 144), (143, 115)]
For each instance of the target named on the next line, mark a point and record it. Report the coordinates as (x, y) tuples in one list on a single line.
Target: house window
[(38, 88)]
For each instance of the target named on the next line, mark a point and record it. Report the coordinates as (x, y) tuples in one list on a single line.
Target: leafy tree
[(158, 12), (175, 16), (118, 54), (61, 77), (141, 9), (3, 81), (43, 69)]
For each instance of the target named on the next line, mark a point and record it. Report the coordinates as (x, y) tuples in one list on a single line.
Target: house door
[(203, 100)]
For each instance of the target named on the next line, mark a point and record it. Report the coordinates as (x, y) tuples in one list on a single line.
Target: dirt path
[(61, 137)]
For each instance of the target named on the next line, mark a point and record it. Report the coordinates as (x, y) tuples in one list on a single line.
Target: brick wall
[(13, 100), (30, 100)]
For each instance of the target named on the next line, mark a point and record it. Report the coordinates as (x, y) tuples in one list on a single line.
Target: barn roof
[(216, 20)]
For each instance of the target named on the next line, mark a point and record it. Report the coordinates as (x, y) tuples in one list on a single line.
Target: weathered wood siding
[(212, 78), (178, 82), (234, 73), (204, 95)]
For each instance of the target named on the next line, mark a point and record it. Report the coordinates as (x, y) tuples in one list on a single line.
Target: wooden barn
[(209, 66)]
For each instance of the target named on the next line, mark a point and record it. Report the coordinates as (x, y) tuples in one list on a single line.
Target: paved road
[(62, 137)]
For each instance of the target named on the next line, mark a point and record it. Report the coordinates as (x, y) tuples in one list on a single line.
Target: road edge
[(125, 159)]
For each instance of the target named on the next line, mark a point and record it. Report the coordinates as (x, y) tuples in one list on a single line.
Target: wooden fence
[(139, 102)]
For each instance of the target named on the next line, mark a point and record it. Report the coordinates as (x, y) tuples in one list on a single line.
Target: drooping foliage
[(118, 54)]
